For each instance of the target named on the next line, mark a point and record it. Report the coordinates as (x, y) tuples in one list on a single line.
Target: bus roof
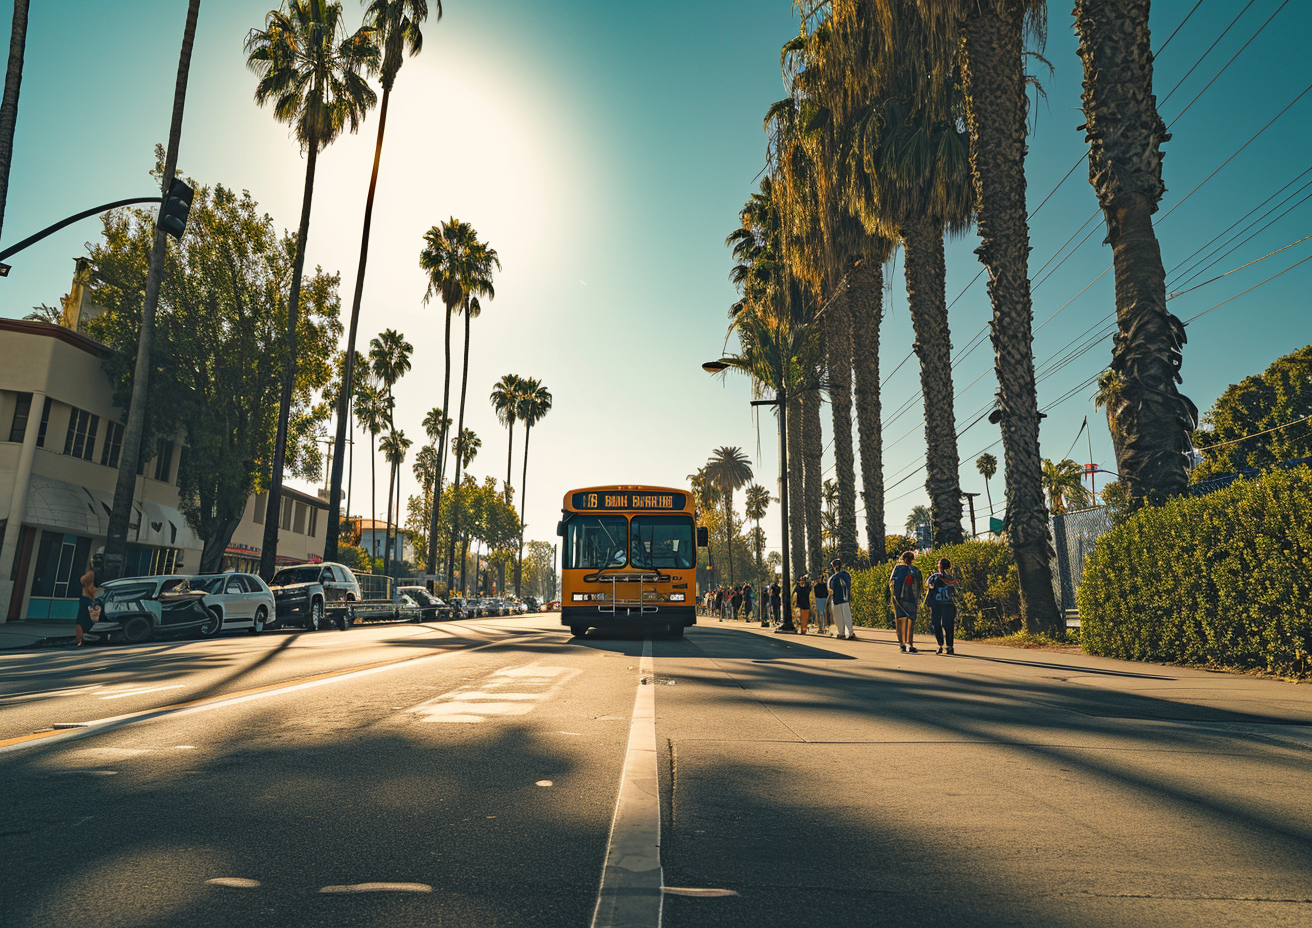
[(628, 498)]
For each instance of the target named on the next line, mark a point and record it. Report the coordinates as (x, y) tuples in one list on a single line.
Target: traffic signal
[(173, 211)]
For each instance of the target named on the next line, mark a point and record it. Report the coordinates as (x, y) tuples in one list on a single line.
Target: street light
[(781, 402)]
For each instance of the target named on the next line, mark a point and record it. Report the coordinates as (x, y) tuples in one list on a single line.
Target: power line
[(1240, 268), (1213, 261), (1254, 287), (1235, 441)]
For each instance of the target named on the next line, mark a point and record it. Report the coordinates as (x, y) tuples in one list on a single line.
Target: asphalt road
[(467, 774)]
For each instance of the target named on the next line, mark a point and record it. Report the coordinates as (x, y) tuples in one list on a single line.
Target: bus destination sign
[(630, 500)]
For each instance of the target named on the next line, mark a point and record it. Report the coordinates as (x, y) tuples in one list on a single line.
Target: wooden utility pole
[(970, 500)]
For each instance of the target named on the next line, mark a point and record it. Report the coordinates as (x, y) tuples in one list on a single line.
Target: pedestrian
[(840, 600), (86, 604), (776, 603), (942, 587), (736, 602), (908, 587), (719, 603), (802, 595), (820, 589), (747, 601)]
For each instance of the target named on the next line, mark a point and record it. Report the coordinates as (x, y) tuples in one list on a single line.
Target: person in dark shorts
[(86, 605), (941, 587), (747, 602), (735, 602), (802, 592), (719, 603), (820, 589), (907, 586), (776, 603)]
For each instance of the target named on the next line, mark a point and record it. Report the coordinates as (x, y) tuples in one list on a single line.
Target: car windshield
[(210, 584), (126, 592), (296, 575), (596, 542), (662, 542)]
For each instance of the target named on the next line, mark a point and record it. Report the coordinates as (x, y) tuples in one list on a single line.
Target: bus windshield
[(662, 542), (596, 542)]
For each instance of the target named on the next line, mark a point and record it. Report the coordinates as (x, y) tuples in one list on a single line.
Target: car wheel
[(210, 627), (578, 631), (138, 630), (314, 620), (261, 617)]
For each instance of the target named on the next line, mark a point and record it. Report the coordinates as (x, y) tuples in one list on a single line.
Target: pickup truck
[(309, 594)]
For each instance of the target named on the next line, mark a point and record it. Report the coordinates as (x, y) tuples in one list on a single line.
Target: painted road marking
[(142, 692), (236, 882), (379, 888), (471, 706), (697, 893), (630, 893)]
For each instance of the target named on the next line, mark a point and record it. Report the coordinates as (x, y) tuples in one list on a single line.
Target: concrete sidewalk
[(36, 634)]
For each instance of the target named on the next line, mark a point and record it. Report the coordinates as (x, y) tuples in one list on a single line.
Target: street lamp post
[(780, 401)]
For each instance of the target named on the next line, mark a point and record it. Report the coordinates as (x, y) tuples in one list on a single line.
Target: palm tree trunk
[(460, 429), (9, 102), (350, 476), (464, 559), (116, 540), (989, 494), (510, 455), (838, 350), (812, 454), (926, 283), (796, 493), (373, 498), (441, 455), (1125, 136), (866, 305), (387, 526), (728, 528), (993, 73), (343, 402), (523, 492)]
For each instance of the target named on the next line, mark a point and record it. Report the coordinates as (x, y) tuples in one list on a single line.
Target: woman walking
[(907, 586), (821, 593), (942, 587), (747, 601), (840, 600), (86, 605), (802, 593), (776, 603), (735, 603)]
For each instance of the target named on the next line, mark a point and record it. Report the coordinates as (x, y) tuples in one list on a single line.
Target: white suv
[(240, 600)]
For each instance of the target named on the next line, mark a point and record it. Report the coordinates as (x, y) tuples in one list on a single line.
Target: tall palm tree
[(987, 465), (756, 504), (730, 469), (919, 515), (1125, 136), (505, 399), (394, 445), (471, 311), (466, 446), (534, 403), (458, 266), (389, 356), (435, 426), (1063, 484), (829, 511), (425, 470), (374, 413), (116, 533), (396, 27), (812, 482), (9, 102), (1110, 396), (312, 72)]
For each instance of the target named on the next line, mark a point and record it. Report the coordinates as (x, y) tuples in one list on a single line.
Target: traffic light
[(173, 211)]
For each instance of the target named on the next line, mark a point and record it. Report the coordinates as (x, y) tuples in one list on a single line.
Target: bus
[(629, 560)]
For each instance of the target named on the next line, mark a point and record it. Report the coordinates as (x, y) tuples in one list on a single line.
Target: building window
[(21, 411), (163, 460), (113, 444), (299, 525), (45, 421), (314, 520), (81, 438), (60, 562), (286, 520), (261, 503)]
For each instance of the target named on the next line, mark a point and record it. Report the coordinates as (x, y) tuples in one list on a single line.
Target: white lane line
[(379, 888), (630, 895), (118, 721), (143, 692), (470, 706), (237, 882)]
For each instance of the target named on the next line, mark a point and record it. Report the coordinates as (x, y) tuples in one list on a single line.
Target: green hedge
[(988, 600), (1224, 579)]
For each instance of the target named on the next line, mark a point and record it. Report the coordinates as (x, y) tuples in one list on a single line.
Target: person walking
[(840, 600), (776, 603), (802, 595), (747, 601), (820, 589), (907, 586), (719, 603), (736, 603), (86, 604), (942, 588)]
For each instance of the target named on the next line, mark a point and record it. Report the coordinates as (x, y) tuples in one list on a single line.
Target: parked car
[(462, 608), (307, 593), (141, 608), (533, 603), (241, 600), (408, 609), (430, 608)]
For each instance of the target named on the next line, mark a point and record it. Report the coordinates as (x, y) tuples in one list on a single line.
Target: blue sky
[(604, 150)]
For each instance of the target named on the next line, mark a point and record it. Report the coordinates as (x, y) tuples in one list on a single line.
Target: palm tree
[(1125, 136), (436, 425), (829, 511), (116, 533), (534, 403), (505, 401), (919, 515), (374, 412), (1110, 396), (459, 267), (987, 465), (312, 73), (396, 28), (756, 503), (389, 355), (730, 469), (394, 446), (425, 470), (9, 102), (466, 446), (1063, 484)]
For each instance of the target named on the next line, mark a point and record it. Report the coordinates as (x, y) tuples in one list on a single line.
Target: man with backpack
[(908, 588), (840, 599)]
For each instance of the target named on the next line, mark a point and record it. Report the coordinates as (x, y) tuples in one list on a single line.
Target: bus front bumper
[(628, 617)]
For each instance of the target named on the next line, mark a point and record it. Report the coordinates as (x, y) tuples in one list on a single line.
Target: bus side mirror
[(560, 529), (703, 537)]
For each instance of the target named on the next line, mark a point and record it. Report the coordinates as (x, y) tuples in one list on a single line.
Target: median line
[(258, 692)]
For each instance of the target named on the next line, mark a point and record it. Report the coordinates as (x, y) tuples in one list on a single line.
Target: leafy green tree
[(539, 573), (311, 70), (219, 357)]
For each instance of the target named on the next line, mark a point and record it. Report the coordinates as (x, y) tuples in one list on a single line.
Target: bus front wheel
[(578, 631)]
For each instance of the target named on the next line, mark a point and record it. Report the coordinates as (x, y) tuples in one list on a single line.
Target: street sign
[(996, 525)]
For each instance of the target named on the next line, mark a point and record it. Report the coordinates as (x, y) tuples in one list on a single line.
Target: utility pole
[(970, 499)]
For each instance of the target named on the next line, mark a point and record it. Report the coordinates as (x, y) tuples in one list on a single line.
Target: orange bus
[(629, 559)]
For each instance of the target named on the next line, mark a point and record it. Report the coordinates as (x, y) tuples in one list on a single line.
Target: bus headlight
[(678, 597)]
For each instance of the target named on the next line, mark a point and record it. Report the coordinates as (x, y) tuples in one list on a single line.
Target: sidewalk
[(35, 634)]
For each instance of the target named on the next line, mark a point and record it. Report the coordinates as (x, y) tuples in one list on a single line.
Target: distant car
[(408, 609), (142, 608), (430, 608), (241, 600), (460, 607), (533, 603)]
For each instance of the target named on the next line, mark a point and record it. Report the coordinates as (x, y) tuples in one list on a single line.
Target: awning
[(55, 504)]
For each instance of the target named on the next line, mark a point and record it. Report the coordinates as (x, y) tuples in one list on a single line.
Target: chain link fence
[(1075, 535)]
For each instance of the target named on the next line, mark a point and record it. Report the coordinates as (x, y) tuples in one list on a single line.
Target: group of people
[(828, 602)]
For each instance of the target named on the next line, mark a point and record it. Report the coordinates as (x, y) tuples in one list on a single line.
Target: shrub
[(1222, 579), (988, 600), (354, 557)]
